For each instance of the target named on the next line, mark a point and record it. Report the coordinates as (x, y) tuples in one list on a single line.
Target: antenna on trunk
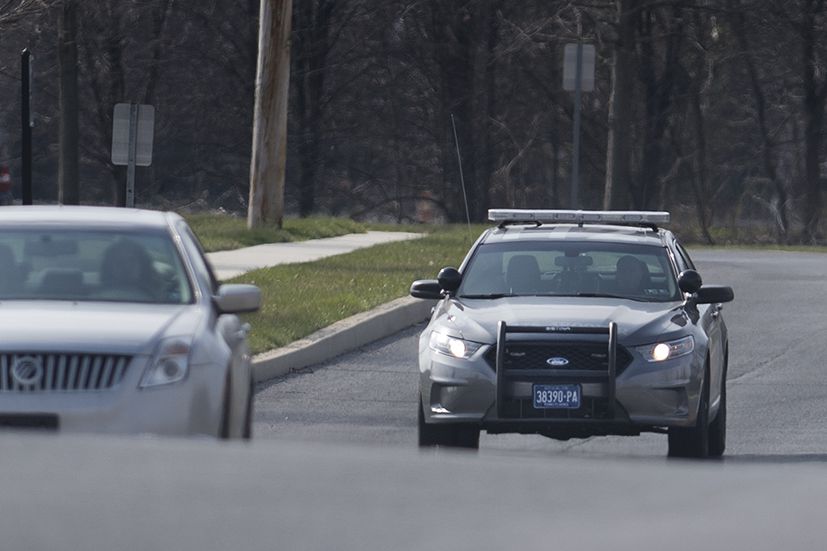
[(461, 177)]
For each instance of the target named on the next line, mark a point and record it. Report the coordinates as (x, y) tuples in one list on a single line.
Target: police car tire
[(446, 435), (693, 442), (430, 435)]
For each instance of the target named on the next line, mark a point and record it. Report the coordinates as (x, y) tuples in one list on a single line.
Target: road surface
[(335, 466), (777, 377)]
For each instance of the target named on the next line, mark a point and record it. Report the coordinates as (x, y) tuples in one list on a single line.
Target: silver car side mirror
[(236, 298)]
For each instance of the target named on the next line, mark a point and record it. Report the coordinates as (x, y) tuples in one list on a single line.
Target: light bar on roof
[(579, 216)]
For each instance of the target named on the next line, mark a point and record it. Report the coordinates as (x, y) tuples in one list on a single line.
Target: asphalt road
[(777, 377), (334, 465)]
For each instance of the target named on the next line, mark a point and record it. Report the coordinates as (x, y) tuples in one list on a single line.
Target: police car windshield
[(585, 269)]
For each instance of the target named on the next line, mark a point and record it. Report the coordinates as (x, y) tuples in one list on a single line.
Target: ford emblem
[(557, 361)]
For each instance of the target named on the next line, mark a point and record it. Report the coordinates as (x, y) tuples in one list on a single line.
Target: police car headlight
[(662, 351), (452, 346)]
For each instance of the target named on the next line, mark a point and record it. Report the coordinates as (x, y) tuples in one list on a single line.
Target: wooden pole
[(269, 155)]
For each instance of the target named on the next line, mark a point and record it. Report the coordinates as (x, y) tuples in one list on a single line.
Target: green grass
[(220, 232), (413, 228), (759, 247), (299, 299)]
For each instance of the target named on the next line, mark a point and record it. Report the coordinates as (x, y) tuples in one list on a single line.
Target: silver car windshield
[(635, 272), (91, 265)]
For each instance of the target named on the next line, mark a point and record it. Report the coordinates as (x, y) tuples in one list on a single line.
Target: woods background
[(713, 110)]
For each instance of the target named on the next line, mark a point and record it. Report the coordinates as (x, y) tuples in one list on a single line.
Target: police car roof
[(575, 232)]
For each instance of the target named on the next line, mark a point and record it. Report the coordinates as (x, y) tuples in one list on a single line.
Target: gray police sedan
[(111, 320), (575, 324)]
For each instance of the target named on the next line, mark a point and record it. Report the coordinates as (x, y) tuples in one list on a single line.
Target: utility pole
[(68, 186), (269, 155)]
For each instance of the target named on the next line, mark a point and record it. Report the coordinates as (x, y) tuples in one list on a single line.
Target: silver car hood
[(91, 327), (637, 322)]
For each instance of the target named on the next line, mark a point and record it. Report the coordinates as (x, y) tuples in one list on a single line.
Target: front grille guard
[(553, 375)]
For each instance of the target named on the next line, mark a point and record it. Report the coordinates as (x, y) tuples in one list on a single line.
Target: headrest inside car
[(573, 261)]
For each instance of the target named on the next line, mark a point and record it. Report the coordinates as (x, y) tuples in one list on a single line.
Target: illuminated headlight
[(170, 363), (452, 346), (661, 351)]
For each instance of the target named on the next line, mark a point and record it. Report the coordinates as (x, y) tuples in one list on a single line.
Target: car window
[(637, 272), (684, 256), (199, 258), (91, 265)]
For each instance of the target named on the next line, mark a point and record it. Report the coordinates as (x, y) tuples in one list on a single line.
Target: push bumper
[(641, 398)]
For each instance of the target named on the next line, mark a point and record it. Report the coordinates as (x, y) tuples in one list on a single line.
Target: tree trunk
[(619, 146), (768, 147), (68, 185), (658, 98), (270, 115), (464, 39), (703, 201), (814, 95), (487, 105), (160, 15), (313, 44)]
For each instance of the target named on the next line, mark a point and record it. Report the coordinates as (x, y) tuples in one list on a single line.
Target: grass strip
[(221, 232), (299, 299)]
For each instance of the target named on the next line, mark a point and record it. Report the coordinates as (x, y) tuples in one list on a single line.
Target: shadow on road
[(781, 458)]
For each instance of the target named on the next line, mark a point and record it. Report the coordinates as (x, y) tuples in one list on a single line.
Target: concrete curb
[(341, 337)]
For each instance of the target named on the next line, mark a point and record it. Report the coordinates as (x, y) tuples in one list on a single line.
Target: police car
[(573, 324)]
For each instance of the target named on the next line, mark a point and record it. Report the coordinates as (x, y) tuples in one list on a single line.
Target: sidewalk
[(229, 264), (340, 337)]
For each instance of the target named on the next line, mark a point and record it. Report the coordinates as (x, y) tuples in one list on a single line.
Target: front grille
[(22, 372), (580, 356)]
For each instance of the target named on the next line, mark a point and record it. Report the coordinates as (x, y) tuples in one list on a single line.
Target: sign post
[(27, 123), (133, 126), (578, 76)]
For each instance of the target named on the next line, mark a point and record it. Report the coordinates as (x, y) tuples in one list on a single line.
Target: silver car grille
[(21, 372)]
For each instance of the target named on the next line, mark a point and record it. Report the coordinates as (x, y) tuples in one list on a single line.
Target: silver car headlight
[(170, 363), (662, 351), (453, 346)]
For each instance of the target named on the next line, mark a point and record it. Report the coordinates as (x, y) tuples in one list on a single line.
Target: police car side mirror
[(449, 279), (713, 294), (689, 281), (426, 288)]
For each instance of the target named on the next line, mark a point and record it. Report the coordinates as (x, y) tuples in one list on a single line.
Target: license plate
[(556, 396)]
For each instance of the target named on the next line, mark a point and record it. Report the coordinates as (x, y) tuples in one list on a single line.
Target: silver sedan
[(111, 320)]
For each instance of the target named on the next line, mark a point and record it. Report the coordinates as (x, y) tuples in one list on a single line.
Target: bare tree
[(12, 11), (68, 185), (619, 147)]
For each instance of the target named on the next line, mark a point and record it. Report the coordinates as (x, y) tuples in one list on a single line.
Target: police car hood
[(637, 322)]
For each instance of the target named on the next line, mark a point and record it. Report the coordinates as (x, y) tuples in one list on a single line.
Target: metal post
[(133, 146), (575, 171), (26, 127)]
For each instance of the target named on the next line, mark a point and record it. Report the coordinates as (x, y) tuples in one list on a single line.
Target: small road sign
[(144, 132), (586, 67), (133, 127)]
